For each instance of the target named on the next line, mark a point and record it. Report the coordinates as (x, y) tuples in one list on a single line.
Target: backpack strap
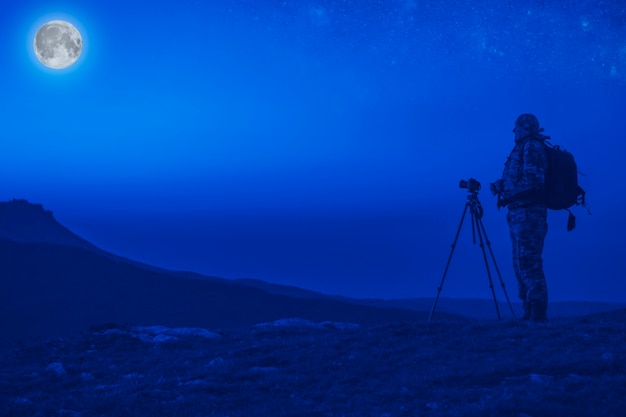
[(571, 221)]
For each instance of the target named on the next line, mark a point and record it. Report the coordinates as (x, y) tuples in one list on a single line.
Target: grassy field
[(567, 367)]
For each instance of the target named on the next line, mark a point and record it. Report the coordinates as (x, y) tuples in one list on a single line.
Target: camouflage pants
[(528, 227)]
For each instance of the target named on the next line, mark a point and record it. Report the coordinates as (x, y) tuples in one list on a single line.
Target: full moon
[(58, 44)]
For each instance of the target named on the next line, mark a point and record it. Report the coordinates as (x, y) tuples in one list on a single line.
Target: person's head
[(526, 125)]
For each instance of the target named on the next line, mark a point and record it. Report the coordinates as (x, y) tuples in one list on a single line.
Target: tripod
[(476, 210)]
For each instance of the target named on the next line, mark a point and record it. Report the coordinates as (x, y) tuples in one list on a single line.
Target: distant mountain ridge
[(22, 221), (468, 307)]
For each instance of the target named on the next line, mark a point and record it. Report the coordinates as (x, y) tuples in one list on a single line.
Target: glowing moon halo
[(58, 44)]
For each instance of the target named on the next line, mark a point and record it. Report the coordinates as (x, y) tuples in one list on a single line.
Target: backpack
[(561, 182), (561, 179)]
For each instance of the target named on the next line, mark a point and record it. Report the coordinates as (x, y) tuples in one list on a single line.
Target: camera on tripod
[(471, 185)]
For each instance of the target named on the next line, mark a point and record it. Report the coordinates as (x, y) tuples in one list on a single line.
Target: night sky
[(318, 143)]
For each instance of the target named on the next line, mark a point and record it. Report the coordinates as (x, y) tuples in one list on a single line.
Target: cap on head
[(529, 122)]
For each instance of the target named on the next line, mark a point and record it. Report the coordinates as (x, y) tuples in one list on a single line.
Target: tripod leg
[(445, 272), (476, 218), (495, 264)]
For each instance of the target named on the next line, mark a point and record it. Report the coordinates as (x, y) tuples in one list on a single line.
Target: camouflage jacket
[(524, 173)]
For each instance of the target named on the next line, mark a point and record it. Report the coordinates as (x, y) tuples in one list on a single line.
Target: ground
[(293, 367)]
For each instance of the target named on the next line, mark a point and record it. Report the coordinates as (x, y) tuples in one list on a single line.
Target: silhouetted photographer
[(521, 189)]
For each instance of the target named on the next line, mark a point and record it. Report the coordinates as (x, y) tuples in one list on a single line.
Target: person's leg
[(531, 234), (514, 218)]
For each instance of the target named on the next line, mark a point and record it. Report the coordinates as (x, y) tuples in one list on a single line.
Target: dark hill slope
[(22, 221), (48, 290)]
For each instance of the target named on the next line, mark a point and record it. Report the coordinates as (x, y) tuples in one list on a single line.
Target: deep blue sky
[(318, 144)]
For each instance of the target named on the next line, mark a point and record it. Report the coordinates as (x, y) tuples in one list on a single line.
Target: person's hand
[(496, 187)]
